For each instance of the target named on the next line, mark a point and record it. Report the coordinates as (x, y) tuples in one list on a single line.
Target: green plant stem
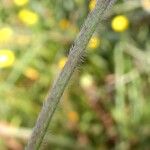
[(62, 80)]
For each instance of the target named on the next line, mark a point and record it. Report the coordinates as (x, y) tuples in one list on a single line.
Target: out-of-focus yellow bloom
[(62, 62), (146, 5), (5, 34), (28, 17), (86, 81), (7, 58), (64, 24), (31, 73), (92, 4), (120, 23), (73, 116), (94, 43), (20, 2)]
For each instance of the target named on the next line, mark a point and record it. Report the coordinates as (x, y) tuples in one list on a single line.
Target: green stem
[(62, 80)]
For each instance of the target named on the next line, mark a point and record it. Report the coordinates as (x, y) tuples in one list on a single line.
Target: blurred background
[(107, 103)]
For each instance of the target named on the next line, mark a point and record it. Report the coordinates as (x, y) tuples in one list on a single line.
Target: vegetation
[(106, 105)]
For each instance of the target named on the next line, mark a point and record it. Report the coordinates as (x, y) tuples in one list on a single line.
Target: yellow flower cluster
[(62, 62), (20, 2), (120, 23), (5, 34), (31, 73), (73, 117), (28, 17), (64, 24), (94, 43), (92, 4), (7, 58)]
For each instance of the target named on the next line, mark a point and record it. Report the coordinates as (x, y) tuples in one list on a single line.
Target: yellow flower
[(62, 62), (92, 4), (31, 73), (94, 43), (120, 23), (20, 2), (28, 17), (86, 81), (146, 5), (64, 24), (73, 116), (7, 58), (5, 34)]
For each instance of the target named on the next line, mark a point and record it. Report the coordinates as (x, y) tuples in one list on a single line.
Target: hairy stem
[(62, 80)]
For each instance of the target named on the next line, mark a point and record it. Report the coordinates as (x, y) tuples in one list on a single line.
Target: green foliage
[(116, 67)]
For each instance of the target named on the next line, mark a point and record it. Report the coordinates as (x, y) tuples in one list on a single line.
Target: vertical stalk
[(62, 80)]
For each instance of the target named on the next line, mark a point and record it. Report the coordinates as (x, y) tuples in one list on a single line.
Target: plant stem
[(62, 80)]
